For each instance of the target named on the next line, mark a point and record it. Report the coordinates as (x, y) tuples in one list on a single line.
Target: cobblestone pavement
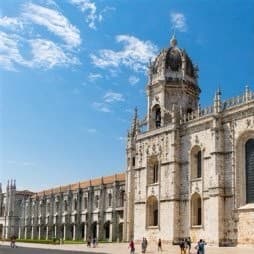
[(111, 248)]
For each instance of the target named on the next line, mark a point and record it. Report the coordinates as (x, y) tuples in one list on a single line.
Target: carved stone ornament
[(196, 139)]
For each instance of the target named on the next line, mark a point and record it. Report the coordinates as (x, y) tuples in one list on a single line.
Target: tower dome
[(173, 84), (173, 63)]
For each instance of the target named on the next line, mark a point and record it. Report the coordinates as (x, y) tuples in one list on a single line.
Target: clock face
[(174, 60)]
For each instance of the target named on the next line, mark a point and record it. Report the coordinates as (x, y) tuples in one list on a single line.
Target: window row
[(152, 208)]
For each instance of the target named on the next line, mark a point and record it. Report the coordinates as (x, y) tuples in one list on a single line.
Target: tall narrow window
[(109, 199), (152, 211), (75, 204), (199, 169), (85, 203), (133, 161), (155, 172), (249, 162), (65, 205), (158, 117), (196, 162), (57, 206), (122, 198), (96, 201), (152, 170), (196, 210)]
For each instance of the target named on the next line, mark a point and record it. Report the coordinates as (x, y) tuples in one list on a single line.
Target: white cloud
[(44, 53), (9, 51), (94, 76), (133, 80), (54, 21), (91, 130), (101, 107), (111, 97), (122, 138), (47, 54), (90, 9), (135, 54), (11, 23), (178, 21)]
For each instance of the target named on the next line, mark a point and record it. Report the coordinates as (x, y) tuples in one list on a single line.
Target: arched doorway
[(120, 232), (107, 230), (94, 229)]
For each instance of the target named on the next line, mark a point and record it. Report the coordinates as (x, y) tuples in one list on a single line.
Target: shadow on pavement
[(22, 250)]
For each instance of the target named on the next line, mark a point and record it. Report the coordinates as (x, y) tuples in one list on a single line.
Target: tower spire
[(134, 125)]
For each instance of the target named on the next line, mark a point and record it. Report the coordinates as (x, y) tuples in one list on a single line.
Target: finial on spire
[(173, 41)]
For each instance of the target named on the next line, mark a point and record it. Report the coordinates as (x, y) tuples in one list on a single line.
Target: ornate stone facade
[(92, 209), (190, 172), (192, 169)]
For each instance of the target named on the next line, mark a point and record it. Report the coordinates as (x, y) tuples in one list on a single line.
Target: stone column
[(32, 233), (64, 233), (110, 232), (19, 232), (25, 232), (55, 231), (47, 233), (84, 231), (74, 232), (97, 230), (39, 233)]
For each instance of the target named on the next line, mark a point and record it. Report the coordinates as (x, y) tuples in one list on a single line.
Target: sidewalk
[(122, 248)]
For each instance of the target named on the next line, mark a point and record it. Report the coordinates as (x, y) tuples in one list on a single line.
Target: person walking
[(146, 243), (159, 245), (188, 241), (182, 246), (201, 247), (132, 247), (89, 241), (143, 245)]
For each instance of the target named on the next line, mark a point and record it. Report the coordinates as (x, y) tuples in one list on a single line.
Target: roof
[(83, 184), (25, 192)]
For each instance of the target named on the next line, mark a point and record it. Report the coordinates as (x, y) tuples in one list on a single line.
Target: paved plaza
[(109, 248)]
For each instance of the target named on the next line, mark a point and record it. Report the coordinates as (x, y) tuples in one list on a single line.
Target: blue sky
[(72, 71)]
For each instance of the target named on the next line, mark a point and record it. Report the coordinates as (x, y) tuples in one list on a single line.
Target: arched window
[(57, 206), (156, 116), (109, 199), (249, 165), (65, 205), (75, 204), (122, 198), (85, 202), (152, 211), (107, 230), (94, 229), (196, 162), (153, 170), (196, 210), (96, 201), (48, 207)]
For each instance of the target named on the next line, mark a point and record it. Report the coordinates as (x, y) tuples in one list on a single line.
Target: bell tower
[(172, 83)]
